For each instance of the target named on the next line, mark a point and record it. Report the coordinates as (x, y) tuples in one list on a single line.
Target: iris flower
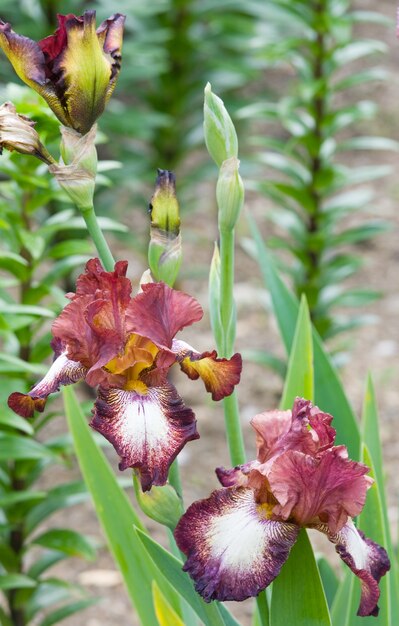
[(238, 539), (75, 69), (127, 345)]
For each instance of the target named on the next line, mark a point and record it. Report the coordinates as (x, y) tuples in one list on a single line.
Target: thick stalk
[(318, 112), (98, 238), (227, 316)]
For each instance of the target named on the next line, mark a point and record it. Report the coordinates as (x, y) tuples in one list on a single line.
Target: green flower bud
[(220, 134), (161, 504), (76, 172), (164, 252), (229, 194)]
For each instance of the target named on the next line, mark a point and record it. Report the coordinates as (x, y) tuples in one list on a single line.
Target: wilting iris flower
[(238, 539), (75, 69), (126, 346)]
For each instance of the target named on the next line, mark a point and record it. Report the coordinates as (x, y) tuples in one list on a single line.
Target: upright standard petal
[(233, 550), (159, 312), (329, 489), (62, 372), (305, 429), (366, 559), (220, 376), (147, 431)]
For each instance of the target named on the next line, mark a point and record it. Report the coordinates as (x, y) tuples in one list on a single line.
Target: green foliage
[(308, 170)]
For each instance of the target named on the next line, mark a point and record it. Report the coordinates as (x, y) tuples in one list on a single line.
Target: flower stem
[(98, 238), (228, 322)]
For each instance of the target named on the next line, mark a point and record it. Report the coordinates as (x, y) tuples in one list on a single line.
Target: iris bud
[(220, 134)]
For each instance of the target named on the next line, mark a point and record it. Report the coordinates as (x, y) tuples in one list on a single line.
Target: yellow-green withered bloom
[(75, 69)]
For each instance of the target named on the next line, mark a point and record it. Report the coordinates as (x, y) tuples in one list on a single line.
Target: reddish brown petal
[(331, 488), (147, 431), (233, 551), (237, 476), (306, 429), (62, 372), (368, 560), (92, 326), (96, 281), (53, 45), (159, 312), (220, 376)]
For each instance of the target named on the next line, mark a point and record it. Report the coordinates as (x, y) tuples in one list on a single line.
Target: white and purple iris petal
[(63, 371), (147, 430), (233, 550), (368, 560)]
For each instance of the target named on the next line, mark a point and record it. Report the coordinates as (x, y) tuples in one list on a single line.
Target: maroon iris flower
[(127, 345), (238, 539)]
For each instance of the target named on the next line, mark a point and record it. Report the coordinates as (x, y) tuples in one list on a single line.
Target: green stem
[(227, 306), (175, 479), (98, 238), (227, 317), (233, 429)]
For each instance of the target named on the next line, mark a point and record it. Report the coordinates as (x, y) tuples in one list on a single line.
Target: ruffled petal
[(233, 550), (92, 326), (62, 372), (220, 376), (306, 429), (368, 560), (96, 281), (237, 476), (147, 431), (331, 488), (159, 312)]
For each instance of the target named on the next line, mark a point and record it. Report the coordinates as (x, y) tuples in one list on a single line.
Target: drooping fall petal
[(233, 550), (220, 376), (366, 559), (147, 430), (62, 372)]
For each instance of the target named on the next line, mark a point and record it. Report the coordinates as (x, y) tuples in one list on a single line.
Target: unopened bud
[(220, 134), (161, 504), (229, 194), (77, 170), (164, 251), (17, 133)]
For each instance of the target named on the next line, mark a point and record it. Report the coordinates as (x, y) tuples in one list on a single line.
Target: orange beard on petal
[(139, 354)]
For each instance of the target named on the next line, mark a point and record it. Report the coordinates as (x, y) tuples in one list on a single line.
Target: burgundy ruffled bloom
[(126, 345), (237, 540)]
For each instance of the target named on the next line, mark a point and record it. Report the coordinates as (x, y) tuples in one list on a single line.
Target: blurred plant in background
[(42, 245), (307, 153)]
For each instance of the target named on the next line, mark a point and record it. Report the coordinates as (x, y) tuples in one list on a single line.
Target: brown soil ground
[(374, 348)]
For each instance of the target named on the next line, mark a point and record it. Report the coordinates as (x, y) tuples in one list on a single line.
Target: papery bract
[(75, 69), (126, 345), (237, 540)]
